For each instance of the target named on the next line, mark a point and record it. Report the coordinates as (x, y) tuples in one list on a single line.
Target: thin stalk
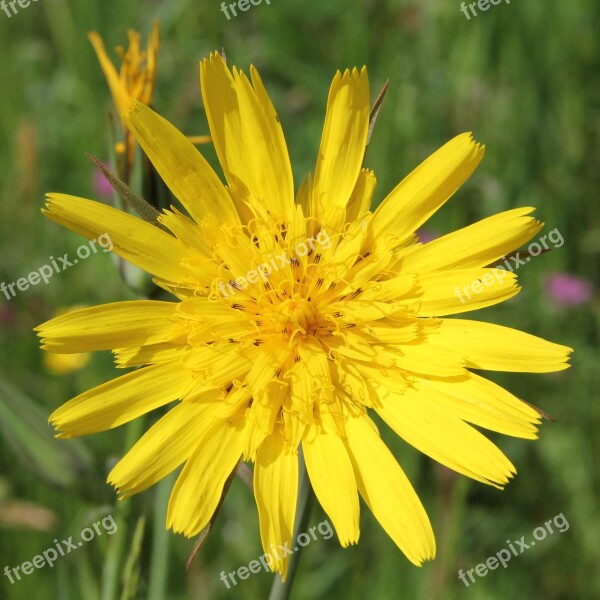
[(161, 538), (111, 573)]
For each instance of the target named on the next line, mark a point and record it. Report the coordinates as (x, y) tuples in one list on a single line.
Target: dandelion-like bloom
[(135, 79), (63, 364), (298, 317)]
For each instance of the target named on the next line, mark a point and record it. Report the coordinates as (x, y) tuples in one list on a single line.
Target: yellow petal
[(489, 392), (141, 243), (216, 366), (163, 448), (247, 136), (427, 357), (119, 93), (388, 331), (482, 403), (366, 270), (361, 198), (303, 200), (388, 493), (185, 171), (310, 379), (497, 348), (224, 119), (199, 487), (343, 146), (139, 356), (462, 290), (426, 189), (390, 289), (268, 159), (267, 361), (424, 424), (475, 246), (341, 256), (110, 326), (262, 415), (121, 400), (151, 60), (266, 392), (276, 491), (354, 384), (332, 478), (214, 320), (190, 233), (198, 140)]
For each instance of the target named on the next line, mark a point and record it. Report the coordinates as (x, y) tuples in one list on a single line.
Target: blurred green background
[(522, 76)]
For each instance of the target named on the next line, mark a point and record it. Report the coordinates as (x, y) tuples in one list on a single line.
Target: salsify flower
[(298, 317), (135, 79)]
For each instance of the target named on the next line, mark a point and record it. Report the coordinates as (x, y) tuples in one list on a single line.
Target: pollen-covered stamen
[(251, 260), (285, 280), (293, 316)]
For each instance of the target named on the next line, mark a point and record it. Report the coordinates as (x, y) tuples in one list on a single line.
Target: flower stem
[(161, 539), (282, 590), (113, 564)]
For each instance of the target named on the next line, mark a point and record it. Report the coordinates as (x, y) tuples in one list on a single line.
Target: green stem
[(111, 574), (282, 590), (159, 565)]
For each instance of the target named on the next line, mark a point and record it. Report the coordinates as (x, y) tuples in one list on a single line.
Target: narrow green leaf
[(24, 426)]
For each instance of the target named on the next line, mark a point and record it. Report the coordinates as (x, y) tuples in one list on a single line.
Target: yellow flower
[(297, 317), (135, 79), (63, 364)]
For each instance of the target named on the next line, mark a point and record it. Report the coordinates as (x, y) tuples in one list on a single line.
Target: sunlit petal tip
[(214, 58), (94, 37), (61, 430)]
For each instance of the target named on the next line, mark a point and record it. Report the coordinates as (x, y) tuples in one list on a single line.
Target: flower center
[(294, 315)]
